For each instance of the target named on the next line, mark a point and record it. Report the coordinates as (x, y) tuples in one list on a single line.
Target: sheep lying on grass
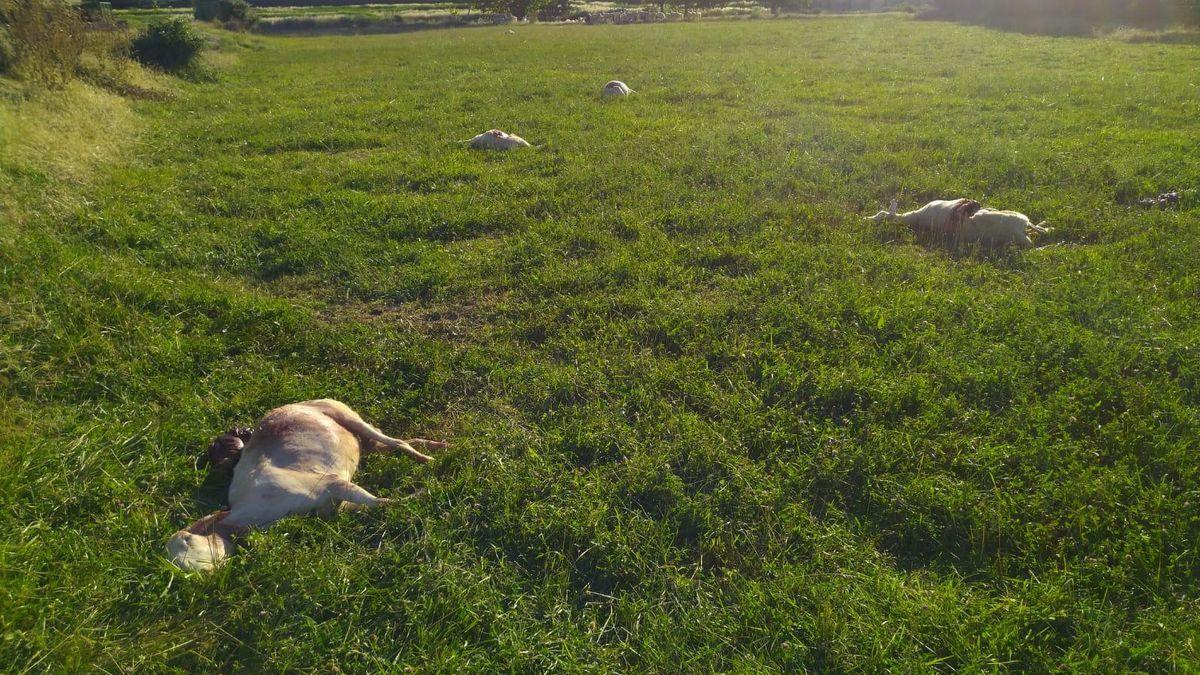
[(616, 88), (299, 459), (495, 139), (966, 219)]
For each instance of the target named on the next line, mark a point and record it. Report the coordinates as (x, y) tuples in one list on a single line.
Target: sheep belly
[(280, 493)]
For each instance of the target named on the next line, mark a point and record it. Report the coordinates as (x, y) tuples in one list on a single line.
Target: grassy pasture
[(704, 417)]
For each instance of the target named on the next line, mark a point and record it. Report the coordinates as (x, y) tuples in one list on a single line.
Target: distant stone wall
[(623, 16), (857, 5)]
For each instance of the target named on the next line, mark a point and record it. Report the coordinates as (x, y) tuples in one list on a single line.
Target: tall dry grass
[(46, 43), (47, 40), (58, 139)]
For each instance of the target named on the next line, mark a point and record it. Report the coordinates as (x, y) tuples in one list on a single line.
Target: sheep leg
[(216, 523), (426, 443), (352, 422), (404, 446), (345, 491)]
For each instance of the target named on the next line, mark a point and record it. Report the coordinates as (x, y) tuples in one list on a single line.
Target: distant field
[(271, 13), (314, 18), (704, 417), (365, 11)]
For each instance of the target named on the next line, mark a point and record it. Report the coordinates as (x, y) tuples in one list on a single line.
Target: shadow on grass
[(928, 538), (1136, 28), (213, 493), (1052, 26), (1170, 37)]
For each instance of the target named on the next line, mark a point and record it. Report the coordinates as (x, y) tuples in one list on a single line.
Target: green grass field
[(704, 417)]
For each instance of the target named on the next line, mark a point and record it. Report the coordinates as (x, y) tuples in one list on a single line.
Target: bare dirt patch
[(454, 320)]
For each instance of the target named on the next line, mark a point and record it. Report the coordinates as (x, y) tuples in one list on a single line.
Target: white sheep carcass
[(967, 219), (616, 88), (299, 459), (494, 139)]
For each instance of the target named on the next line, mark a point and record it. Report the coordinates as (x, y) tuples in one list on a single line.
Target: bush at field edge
[(171, 45)]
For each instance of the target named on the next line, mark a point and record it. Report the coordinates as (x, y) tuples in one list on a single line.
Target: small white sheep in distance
[(616, 88), (495, 139), (966, 219)]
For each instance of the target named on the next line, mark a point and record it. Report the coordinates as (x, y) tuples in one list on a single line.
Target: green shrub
[(204, 10), (171, 45), (236, 14), (42, 41), (232, 14), (8, 51)]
